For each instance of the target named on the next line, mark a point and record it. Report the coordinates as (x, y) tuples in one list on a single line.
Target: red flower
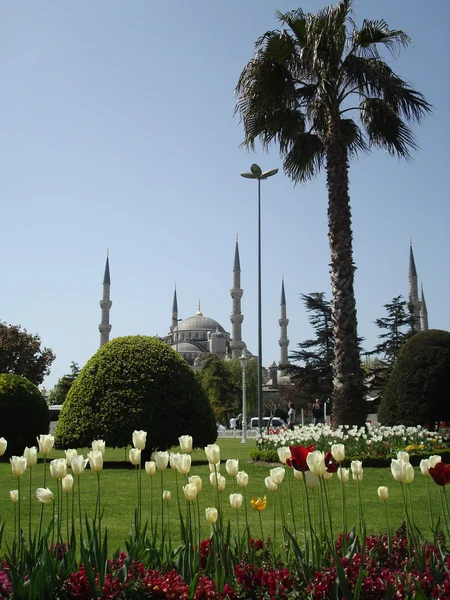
[(440, 473), (298, 457), (331, 466)]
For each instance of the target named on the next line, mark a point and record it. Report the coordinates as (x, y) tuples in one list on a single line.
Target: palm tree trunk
[(348, 390)]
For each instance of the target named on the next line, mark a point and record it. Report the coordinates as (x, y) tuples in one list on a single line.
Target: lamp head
[(256, 170)]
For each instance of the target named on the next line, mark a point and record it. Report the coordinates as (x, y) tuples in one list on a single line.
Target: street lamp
[(244, 362), (256, 173)]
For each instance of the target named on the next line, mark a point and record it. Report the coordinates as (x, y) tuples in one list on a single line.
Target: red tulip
[(298, 457), (440, 473), (331, 466)]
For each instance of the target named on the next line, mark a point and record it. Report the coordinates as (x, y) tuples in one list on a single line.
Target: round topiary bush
[(418, 390), (135, 382), (23, 413)]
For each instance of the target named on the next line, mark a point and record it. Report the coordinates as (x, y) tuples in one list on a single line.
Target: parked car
[(275, 423)]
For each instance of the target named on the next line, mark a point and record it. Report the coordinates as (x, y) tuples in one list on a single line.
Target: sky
[(117, 131)]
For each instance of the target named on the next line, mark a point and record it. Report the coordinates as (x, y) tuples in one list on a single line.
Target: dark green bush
[(23, 413), (135, 382), (418, 390)]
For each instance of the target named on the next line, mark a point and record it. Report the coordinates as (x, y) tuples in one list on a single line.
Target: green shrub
[(418, 390), (135, 382), (23, 413)]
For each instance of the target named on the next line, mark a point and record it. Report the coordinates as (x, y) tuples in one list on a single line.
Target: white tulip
[(167, 496), (236, 500), (95, 460), (298, 475), (185, 443), (343, 474), (311, 479), (150, 468), (197, 481), (214, 467), (357, 470), (270, 484), (78, 464), (383, 492), (135, 456), (184, 464), (58, 468), (67, 484), (69, 454), (98, 446), (3, 446), (316, 462), (173, 460), (434, 460), (161, 459), (31, 455), (18, 465), (327, 475), (45, 443), (221, 482), (283, 454), (277, 475), (211, 514), (190, 492), (139, 439), (213, 453), (424, 466), (14, 495), (404, 456), (232, 467), (242, 479), (338, 452), (44, 495)]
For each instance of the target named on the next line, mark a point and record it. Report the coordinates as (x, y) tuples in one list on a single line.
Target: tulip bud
[(277, 475), (150, 468), (161, 459), (236, 501), (167, 496), (197, 481), (173, 460), (69, 454), (18, 465), (99, 446), (270, 484), (343, 474), (58, 468), (184, 464), (311, 479), (190, 492), (67, 484), (383, 492), (424, 466), (211, 515), (44, 495), (139, 439), (3, 446), (232, 467), (135, 456), (298, 475), (409, 473), (213, 453), (338, 452), (95, 460), (327, 475), (78, 464), (45, 443), (316, 462), (221, 482), (283, 454), (404, 456), (357, 470), (242, 479), (31, 455), (185, 443), (14, 495)]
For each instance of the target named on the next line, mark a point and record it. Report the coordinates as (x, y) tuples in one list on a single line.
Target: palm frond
[(353, 137), (305, 158), (386, 129), (373, 33), (296, 20)]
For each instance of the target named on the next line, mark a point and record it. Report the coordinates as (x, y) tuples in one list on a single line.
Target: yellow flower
[(409, 448), (259, 504)]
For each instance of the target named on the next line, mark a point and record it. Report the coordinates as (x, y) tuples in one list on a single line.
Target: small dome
[(217, 334), (186, 347)]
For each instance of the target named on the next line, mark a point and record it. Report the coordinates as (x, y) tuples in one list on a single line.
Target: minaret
[(174, 310), (423, 310), (236, 317), (283, 321), (105, 304), (414, 288)]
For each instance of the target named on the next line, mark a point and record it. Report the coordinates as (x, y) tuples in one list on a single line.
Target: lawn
[(119, 493)]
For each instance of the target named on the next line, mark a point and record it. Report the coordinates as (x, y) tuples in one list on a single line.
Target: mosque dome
[(200, 323)]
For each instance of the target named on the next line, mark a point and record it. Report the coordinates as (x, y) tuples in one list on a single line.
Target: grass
[(119, 493)]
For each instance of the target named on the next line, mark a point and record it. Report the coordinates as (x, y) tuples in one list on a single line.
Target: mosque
[(199, 335)]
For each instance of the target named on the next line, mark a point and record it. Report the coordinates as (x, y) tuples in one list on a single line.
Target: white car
[(275, 423)]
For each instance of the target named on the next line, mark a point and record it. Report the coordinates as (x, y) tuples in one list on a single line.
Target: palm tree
[(298, 92)]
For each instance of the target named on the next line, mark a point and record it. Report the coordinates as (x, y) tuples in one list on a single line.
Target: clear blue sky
[(117, 131)]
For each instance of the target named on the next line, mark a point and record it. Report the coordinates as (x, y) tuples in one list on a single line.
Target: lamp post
[(256, 173), (244, 362)]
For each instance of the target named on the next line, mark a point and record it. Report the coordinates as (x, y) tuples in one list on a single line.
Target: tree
[(297, 93), (251, 377), (61, 389), (399, 327), (21, 354), (132, 383), (221, 387), (24, 413), (418, 390)]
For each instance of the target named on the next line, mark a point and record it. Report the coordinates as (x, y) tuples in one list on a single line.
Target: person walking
[(291, 416), (317, 412)]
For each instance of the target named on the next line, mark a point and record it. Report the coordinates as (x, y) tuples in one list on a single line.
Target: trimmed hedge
[(418, 390), (135, 382), (24, 413)]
